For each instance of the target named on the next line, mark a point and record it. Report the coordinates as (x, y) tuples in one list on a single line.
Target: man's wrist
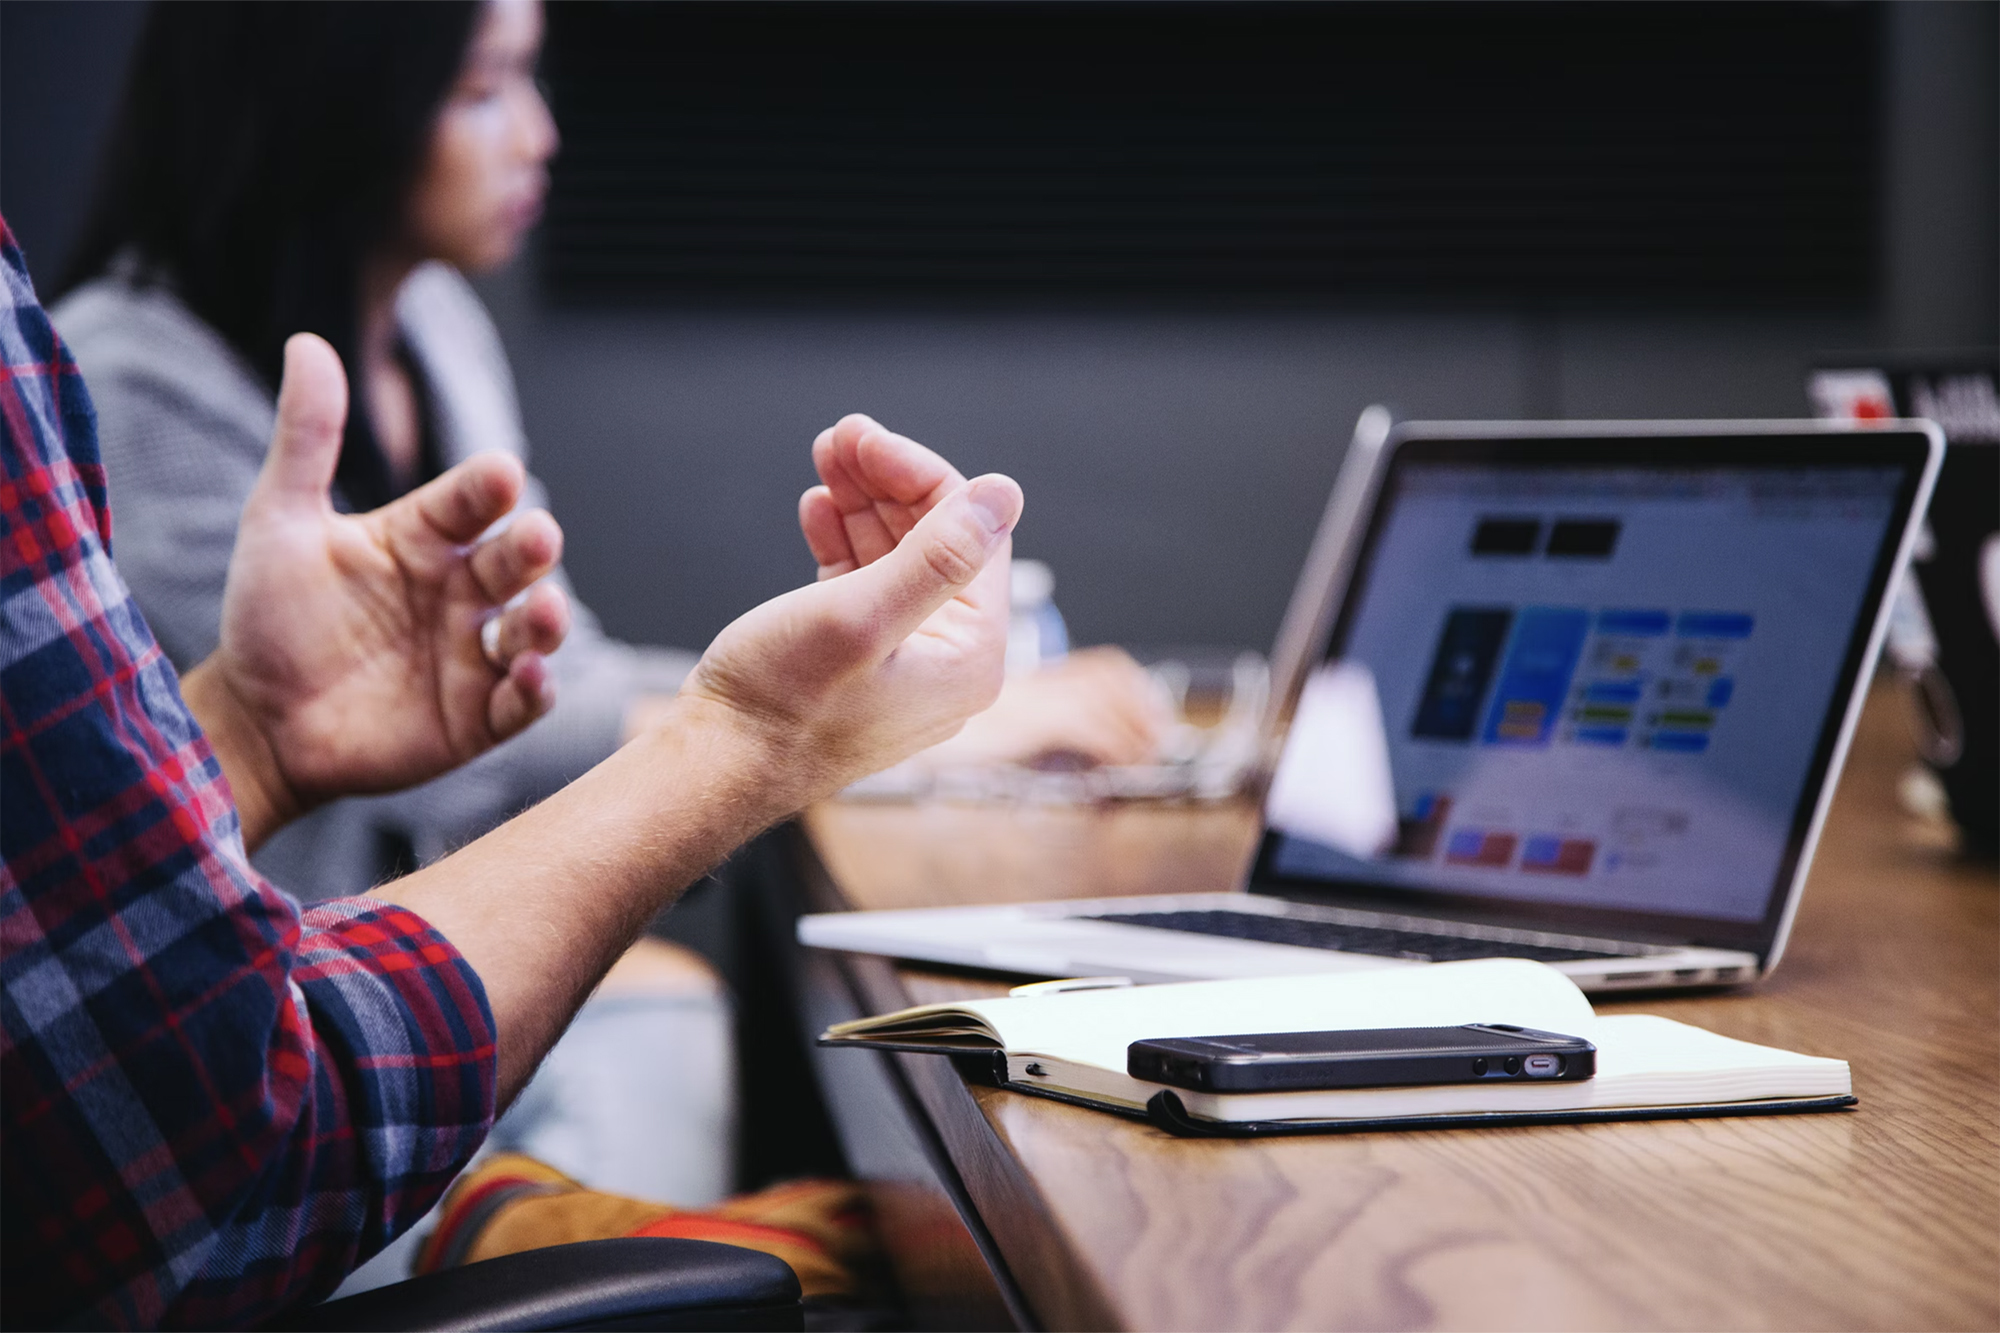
[(265, 802), (737, 757)]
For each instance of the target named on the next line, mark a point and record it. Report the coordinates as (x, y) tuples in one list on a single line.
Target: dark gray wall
[(1174, 464)]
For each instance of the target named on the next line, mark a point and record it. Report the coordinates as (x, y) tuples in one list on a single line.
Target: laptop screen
[(1607, 688)]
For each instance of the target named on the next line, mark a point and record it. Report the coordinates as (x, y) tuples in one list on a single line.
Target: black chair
[(631, 1283)]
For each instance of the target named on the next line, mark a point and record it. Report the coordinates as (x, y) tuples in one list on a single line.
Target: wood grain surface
[(1887, 1216)]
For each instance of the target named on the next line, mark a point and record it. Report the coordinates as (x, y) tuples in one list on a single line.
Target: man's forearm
[(543, 905), (264, 803)]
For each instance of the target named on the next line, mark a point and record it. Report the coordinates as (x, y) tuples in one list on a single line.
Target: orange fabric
[(511, 1203)]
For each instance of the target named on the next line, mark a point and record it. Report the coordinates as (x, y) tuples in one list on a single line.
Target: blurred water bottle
[(1035, 632)]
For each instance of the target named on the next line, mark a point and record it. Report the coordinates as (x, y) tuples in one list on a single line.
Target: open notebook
[(1071, 1045)]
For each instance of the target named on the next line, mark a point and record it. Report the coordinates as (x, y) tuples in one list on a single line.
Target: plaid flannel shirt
[(215, 1105)]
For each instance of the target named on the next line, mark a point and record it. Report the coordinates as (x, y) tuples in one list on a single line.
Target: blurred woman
[(338, 168), (335, 169)]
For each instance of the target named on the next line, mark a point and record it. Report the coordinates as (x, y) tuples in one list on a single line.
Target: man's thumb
[(942, 556), (312, 410)]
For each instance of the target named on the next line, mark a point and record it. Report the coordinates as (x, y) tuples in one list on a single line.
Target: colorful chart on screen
[(1604, 687)]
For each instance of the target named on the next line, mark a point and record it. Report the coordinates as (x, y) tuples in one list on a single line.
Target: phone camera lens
[(1478, 1066), (1513, 1065)]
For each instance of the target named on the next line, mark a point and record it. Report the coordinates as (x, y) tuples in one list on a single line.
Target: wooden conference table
[(1002, 1209)]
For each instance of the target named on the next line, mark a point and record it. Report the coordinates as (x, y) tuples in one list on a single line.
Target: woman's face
[(482, 184)]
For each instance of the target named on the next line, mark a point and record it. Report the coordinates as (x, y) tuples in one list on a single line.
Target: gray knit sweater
[(184, 423)]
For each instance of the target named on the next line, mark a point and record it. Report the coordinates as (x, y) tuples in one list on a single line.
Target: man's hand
[(351, 657), (903, 637), (1098, 705)]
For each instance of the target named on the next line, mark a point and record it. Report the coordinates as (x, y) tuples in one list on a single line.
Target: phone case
[(1362, 1058)]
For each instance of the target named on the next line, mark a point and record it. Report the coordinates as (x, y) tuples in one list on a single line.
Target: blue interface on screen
[(1605, 687)]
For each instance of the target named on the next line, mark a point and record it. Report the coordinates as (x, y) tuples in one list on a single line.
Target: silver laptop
[(1607, 676)]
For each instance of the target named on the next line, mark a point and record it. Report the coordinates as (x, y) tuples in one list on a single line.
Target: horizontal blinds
[(1610, 154)]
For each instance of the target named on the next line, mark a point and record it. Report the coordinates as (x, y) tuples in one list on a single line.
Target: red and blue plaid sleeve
[(215, 1105)]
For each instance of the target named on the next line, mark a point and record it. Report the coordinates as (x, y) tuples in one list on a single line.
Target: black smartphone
[(1361, 1058)]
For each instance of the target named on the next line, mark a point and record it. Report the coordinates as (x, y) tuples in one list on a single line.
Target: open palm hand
[(351, 643), (904, 635)]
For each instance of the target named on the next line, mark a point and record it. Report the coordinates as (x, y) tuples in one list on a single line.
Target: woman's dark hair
[(261, 153)]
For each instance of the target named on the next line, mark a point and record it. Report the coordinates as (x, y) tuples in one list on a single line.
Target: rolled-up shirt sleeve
[(381, 1070), (215, 1103)]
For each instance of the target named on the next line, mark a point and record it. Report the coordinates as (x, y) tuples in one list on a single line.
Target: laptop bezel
[(1916, 447)]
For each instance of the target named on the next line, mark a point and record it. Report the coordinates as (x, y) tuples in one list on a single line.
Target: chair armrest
[(630, 1283)]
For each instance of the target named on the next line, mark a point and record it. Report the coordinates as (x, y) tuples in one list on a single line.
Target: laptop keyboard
[(1380, 941)]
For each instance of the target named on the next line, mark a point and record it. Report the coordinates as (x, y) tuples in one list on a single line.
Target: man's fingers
[(463, 503), (870, 463), (897, 468), (312, 412), (527, 692), (513, 559), (940, 559), (537, 624), (880, 482), (826, 535), (831, 461), (863, 530)]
